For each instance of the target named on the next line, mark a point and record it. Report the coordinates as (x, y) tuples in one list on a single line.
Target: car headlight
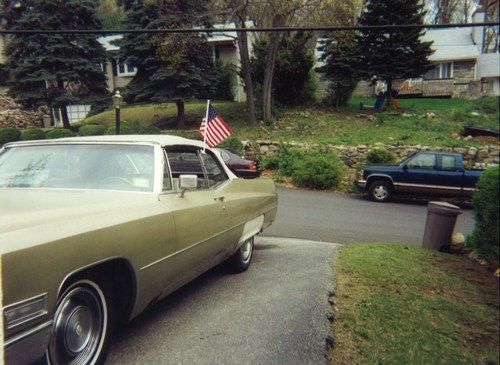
[(25, 311)]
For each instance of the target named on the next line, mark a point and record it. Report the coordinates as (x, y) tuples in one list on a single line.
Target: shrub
[(9, 135), (126, 128), (484, 238), (270, 162), (318, 171), (380, 155), (59, 133), (92, 130), (32, 134), (285, 160), (233, 144), (149, 130)]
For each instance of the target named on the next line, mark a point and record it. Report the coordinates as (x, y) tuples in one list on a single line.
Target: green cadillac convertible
[(95, 229)]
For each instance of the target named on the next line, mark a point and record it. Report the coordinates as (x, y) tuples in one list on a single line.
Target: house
[(466, 63), (224, 47)]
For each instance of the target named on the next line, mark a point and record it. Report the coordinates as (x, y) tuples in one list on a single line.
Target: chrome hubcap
[(380, 192), (79, 326), (79, 329), (246, 250)]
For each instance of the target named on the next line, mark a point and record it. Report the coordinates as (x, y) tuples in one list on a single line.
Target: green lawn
[(319, 124), (399, 304)]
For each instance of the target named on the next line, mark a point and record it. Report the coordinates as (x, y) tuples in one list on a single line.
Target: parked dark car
[(424, 173), (242, 167)]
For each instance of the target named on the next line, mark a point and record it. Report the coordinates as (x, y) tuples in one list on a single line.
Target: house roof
[(107, 42), (451, 44)]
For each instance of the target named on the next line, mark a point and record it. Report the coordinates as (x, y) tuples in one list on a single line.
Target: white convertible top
[(162, 139)]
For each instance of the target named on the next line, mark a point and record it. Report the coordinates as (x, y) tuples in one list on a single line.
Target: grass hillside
[(431, 122)]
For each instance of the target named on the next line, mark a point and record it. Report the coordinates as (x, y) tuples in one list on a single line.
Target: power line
[(249, 30)]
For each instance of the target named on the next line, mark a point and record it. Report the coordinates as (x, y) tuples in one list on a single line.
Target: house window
[(125, 69), (75, 114), (444, 70)]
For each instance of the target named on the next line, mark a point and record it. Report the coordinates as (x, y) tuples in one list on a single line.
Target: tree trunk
[(246, 71), (181, 116), (65, 118), (64, 110), (272, 52), (388, 95)]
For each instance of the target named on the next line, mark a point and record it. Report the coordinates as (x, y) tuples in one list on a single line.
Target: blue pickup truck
[(424, 173)]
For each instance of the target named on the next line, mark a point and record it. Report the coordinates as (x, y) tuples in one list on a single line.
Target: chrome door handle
[(220, 198)]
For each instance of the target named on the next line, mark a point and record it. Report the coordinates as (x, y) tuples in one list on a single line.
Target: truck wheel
[(83, 324), (380, 191)]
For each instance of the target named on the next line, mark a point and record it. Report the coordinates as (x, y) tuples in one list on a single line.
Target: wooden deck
[(424, 88)]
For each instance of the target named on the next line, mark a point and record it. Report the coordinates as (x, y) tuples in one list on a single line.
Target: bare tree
[(451, 11)]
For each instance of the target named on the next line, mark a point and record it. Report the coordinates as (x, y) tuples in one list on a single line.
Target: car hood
[(24, 212)]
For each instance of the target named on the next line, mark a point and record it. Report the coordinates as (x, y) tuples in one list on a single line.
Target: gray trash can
[(441, 219)]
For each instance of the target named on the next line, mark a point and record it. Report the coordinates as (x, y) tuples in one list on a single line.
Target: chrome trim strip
[(429, 186), (189, 247), (21, 336), (27, 318)]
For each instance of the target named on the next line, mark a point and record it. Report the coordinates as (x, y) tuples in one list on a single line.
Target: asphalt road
[(330, 217), (274, 313)]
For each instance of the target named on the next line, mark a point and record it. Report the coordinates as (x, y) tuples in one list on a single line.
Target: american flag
[(216, 129)]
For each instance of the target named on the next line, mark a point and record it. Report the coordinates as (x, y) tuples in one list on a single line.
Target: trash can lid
[(443, 208)]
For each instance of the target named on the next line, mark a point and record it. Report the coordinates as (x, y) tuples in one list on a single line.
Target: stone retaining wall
[(355, 155), (12, 115)]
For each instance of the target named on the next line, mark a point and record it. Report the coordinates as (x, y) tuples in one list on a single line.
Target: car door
[(449, 177), (200, 215), (419, 175)]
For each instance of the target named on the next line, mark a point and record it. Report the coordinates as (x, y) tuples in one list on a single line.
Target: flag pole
[(206, 126)]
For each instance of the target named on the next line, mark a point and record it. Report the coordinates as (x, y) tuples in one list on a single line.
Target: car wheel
[(380, 191), (83, 324), (240, 261)]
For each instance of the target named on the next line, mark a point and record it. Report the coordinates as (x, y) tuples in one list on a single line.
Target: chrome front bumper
[(29, 346), (361, 184)]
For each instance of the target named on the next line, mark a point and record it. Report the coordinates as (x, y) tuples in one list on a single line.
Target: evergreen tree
[(292, 69), (393, 53), (340, 54), (56, 69), (170, 67)]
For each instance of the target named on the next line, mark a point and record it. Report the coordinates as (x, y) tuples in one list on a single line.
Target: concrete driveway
[(275, 313)]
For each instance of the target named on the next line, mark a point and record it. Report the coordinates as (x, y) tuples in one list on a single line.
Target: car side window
[(448, 163), (422, 161), (186, 162), (215, 173)]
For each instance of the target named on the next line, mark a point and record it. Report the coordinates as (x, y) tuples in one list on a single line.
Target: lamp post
[(117, 101)]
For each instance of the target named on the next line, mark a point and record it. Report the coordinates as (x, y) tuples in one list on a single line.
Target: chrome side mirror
[(187, 182)]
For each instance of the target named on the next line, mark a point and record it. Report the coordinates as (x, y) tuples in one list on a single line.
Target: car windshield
[(78, 166)]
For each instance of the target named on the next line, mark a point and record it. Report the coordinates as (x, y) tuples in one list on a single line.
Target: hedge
[(59, 133), (9, 135), (32, 134), (484, 239)]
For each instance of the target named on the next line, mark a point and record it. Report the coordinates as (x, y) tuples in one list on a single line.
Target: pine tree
[(57, 69), (170, 67), (292, 70), (393, 53), (340, 54)]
